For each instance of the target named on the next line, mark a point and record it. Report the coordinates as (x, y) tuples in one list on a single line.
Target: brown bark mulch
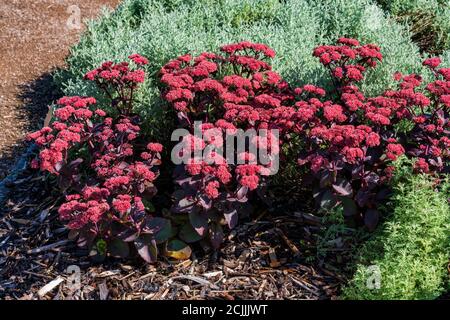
[(267, 257), (34, 40)]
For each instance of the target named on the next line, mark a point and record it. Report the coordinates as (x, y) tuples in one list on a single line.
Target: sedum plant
[(350, 140), (225, 92), (103, 166), (346, 140)]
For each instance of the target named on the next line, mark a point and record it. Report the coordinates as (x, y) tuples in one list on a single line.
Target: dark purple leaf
[(123, 165), (231, 216), (118, 248), (371, 218), (160, 228), (343, 187), (435, 163), (205, 202), (328, 200), (199, 222), (85, 239), (414, 152), (357, 170), (188, 234), (362, 197), (383, 194), (75, 163), (216, 235), (349, 207), (147, 249), (242, 193), (73, 234), (128, 235), (183, 119), (183, 205), (178, 194), (59, 165), (326, 178), (149, 191), (372, 179), (245, 210)]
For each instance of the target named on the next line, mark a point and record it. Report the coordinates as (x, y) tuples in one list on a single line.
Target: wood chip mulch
[(265, 258)]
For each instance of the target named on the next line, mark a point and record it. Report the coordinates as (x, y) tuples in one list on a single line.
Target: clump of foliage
[(411, 250), (105, 167), (164, 29), (429, 21), (223, 92), (350, 140), (346, 139)]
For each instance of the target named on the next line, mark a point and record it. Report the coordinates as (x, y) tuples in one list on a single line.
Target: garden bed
[(362, 141)]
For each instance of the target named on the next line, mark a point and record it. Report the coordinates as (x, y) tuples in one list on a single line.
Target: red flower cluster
[(118, 73), (117, 182), (256, 50), (106, 201), (117, 193), (350, 141), (73, 125), (213, 167), (336, 59), (120, 80), (249, 96), (87, 208)]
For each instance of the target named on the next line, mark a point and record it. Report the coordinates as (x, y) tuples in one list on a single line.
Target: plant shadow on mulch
[(35, 97), (271, 256)]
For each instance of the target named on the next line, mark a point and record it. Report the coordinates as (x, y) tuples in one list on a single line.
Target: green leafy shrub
[(412, 249), (164, 29), (429, 21)]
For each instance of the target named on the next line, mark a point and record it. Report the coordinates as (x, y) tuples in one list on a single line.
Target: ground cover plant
[(411, 250)]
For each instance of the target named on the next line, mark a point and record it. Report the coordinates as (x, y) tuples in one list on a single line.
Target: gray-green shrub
[(164, 29)]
